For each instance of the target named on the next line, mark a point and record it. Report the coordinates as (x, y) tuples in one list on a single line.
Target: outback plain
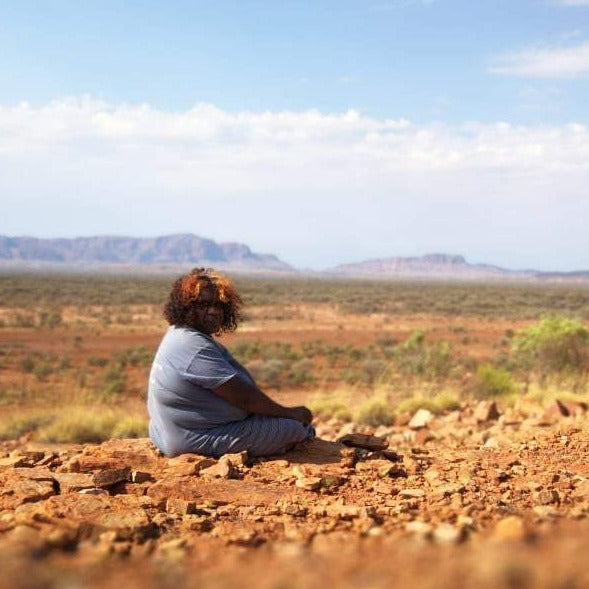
[(451, 451)]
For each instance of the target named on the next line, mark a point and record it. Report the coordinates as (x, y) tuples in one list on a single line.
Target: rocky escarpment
[(171, 249)]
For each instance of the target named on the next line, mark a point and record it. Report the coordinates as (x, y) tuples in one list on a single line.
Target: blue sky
[(324, 132)]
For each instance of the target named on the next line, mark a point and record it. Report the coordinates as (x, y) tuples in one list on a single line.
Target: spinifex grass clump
[(15, 427), (490, 382), (375, 411), (77, 425), (331, 408), (84, 426), (439, 403)]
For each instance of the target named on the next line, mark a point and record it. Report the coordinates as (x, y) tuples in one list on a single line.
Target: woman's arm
[(251, 399)]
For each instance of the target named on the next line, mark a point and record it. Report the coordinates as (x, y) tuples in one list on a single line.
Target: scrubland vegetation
[(75, 351)]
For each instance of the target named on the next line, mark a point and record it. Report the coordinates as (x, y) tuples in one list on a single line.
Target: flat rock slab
[(15, 491), (364, 441), (316, 451), (127, 515), (137, 454), (237, 492)]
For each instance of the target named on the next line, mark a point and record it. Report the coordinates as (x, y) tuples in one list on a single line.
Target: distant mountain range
[(107, 250), (182, 250), (444, 266)]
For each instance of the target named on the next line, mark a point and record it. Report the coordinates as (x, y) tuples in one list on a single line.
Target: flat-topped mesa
[(430, 265)]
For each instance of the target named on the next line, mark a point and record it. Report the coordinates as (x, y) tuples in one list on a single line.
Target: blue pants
[(258, 434)]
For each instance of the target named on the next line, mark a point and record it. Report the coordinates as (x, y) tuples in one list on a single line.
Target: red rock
[(308, 483), (72, 482), (13, 461), (365, 441), (411, 493), (486, 411), (188, 464), (15, 491), (224, 469), (111, 476), (574, 408), (180, 506)]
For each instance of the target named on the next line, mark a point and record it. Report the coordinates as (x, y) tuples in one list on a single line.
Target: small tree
[(555, 347)]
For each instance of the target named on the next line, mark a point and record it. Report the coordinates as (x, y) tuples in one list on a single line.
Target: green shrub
[(446, 401), (417, 358), (412, 404), (301, 373), (554, 347), (492, 382)]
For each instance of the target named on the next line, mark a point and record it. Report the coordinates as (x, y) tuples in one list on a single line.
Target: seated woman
[(200, 398)]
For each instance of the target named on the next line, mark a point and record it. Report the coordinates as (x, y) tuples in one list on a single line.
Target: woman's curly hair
[(185, 294)]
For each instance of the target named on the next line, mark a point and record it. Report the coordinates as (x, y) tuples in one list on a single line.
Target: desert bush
[(415, 357), (330, 408), (50, 319), (130, 427), (28, 363), (79, 426), (374, 412), (554, 347), (412, 404), (113, 382), (301, 373), (139, 356), (97, 361), (268, 373), (439, 403), (446, 401), (371, 370), (23, 320), (43, 370), (490, 382), (15, 427), (245, 351)]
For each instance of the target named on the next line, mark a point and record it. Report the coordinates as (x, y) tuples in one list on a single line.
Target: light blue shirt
[(188, 366)]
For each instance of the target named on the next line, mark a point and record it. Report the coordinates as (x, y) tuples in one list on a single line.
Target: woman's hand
[(302, 414)]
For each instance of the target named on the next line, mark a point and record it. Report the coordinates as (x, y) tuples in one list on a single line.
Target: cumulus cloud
[(316, 188), (555, 63)]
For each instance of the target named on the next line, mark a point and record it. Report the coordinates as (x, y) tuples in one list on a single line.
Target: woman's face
[(208, 311)]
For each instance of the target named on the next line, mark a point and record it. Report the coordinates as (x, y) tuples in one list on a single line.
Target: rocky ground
[(477, 497)]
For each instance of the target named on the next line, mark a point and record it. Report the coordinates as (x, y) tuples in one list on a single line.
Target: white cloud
[(316, 188), (572, 2), (555, 63)]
